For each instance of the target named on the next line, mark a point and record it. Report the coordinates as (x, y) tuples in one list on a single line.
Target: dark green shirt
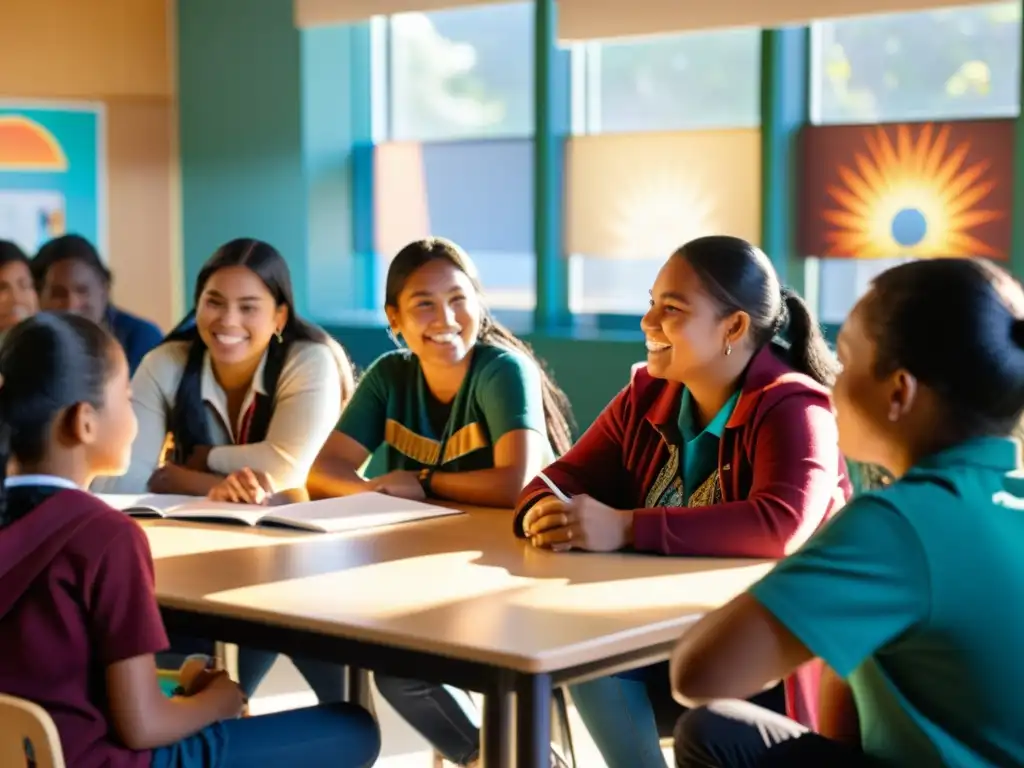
[(392, 405)]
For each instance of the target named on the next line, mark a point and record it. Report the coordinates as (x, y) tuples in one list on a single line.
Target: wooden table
[(457, 600)]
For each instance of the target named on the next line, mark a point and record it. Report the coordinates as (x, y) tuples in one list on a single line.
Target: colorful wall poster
[(51, 173), (926, 190)]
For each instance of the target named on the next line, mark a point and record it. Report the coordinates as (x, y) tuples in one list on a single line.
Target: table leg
[(496, 736), (533, 721), (357, 687)]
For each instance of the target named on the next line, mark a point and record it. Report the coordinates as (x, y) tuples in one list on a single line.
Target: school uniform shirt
[(136, 335), (393, 405), (306, 407), (777, 474), (913, 594), (76, 595)]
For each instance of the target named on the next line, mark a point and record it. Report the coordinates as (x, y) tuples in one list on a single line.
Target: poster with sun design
[(50, 173), (928, 190)]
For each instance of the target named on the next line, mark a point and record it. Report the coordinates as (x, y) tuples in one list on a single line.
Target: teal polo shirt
[(915, 595), (392, 406), (695, 458)]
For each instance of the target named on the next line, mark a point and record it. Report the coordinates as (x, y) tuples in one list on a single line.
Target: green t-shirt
[(690, 477), (392, 405), (915, 595)]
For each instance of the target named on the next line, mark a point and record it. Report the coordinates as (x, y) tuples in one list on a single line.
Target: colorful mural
[(50, 173), (926, 190)]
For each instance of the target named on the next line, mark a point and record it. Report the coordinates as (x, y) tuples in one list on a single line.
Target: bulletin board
[(52, 172)]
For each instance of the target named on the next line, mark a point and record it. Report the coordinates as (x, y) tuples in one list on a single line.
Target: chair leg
[(561, 717)]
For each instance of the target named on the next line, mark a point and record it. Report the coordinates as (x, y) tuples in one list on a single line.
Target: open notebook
[(349, 513)]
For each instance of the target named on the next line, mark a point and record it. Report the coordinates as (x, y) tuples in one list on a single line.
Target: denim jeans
[(627, 714), (444, 716), (327, 680), (739, 734), (328, 736)]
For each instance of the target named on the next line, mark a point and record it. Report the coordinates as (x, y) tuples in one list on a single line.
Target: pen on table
[(554, 488)]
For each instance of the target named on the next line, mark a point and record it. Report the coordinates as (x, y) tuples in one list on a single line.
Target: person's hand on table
[(168, 479), (402, 483), (584, 523), (246, 486)]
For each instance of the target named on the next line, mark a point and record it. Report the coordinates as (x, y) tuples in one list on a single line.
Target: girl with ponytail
[(724, 445), (243, 382), (79, 621), (464, 410)]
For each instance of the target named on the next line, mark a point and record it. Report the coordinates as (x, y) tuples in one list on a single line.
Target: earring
[(728, 349), (280, 336)]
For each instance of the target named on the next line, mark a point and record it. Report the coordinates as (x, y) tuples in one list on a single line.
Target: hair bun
[(1017, 332)]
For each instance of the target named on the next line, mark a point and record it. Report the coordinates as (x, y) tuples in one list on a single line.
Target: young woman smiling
[(18, 298), (723, 446), (464, 412), (248, 386), (912, 594)]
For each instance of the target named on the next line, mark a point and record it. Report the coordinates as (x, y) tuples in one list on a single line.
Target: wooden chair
[(26, 728)]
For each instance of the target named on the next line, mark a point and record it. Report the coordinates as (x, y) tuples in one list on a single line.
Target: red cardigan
[(779, 465)]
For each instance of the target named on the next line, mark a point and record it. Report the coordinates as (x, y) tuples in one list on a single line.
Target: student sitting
[(79, 623), (18, 298), (71, 277), (912, 594), (464, 411), (724, 446), (248, 384)]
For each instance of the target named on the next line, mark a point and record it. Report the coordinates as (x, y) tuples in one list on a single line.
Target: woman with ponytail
[(79, 621), (244, 382), (464, 411), (724, 445)]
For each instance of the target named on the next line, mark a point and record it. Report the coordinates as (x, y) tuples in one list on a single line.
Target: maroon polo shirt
[(76, 595)]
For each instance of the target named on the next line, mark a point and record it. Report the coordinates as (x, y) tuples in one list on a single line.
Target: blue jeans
[(627, 714), (327, 680), (328, 736), (442, 715)]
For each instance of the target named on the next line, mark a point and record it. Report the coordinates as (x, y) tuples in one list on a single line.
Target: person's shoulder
[(496, 360), (165, 362), (134, 325), (310, 354), (102, 524), (392, 364), (644, 391)]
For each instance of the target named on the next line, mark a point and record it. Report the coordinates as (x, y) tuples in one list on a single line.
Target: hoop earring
[(728, 349)]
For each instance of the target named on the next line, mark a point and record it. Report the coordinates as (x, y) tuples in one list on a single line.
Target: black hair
[(65, 248), (957, 326), (187, 422), (740, 277), (557, 410), (49, 363), (11, 252)]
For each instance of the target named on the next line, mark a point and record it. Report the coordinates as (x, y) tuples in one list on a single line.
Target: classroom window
[(659, 124), (697, 80), (460, 73), (942, 64)]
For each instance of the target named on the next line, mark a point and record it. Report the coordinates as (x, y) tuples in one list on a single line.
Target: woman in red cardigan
[(725, 445)]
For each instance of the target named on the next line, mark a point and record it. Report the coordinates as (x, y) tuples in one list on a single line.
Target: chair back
[(27, 730)]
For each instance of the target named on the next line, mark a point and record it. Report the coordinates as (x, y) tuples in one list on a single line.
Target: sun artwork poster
[(918, 190), (50, 172)]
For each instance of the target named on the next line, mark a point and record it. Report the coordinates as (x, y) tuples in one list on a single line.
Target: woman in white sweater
[(245, 383)]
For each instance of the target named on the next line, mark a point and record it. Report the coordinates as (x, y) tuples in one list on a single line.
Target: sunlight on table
[(382, 590), (177, 539)]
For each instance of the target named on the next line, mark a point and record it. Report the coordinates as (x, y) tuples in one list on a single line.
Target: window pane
[(951, 63), (462, 73), (696, 80)]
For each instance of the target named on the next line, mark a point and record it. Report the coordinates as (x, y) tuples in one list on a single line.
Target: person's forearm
[(498, 487), (329, 479), (187, 482), (172, 720)]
